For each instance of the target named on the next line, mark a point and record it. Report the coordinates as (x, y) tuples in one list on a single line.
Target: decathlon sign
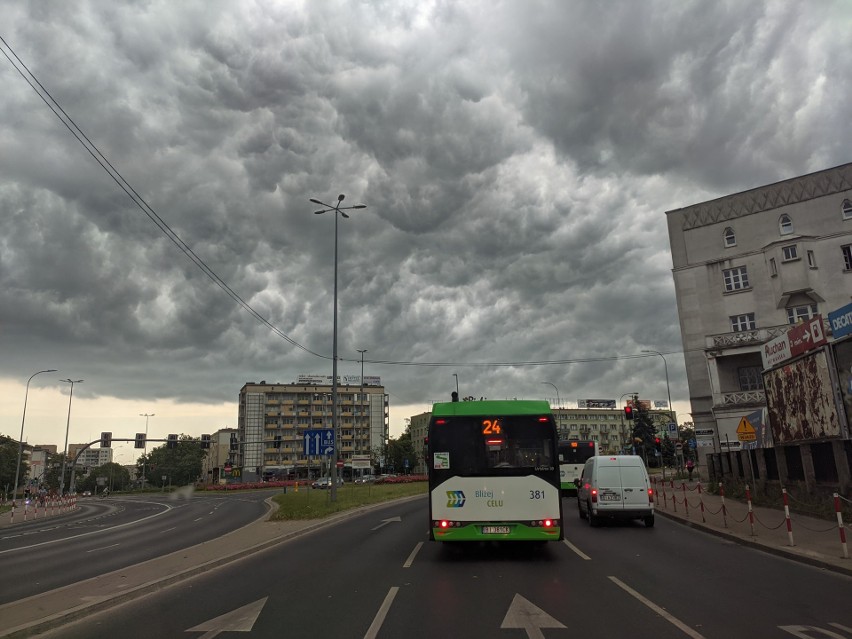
[(841, 321)]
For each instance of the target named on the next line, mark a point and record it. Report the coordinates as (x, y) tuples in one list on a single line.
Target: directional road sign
[(319, 441)]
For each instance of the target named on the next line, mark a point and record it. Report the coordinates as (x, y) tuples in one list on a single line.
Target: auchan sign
[(776, 351)]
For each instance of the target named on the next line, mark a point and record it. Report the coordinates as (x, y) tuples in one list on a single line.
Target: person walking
[(690, 467)]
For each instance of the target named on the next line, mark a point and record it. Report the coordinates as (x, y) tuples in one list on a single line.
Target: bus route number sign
[(491, 426)]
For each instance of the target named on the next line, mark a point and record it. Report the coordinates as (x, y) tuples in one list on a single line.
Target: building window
[(796, 314), (811, 259), (736, 278), (773, 267), (730, 237), (750, 378), (744, 322), (790, 253), (785, 224), (847, 257), (846, 207)]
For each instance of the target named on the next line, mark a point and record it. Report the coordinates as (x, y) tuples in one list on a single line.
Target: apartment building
[(218, 457), (273, 419), (746, 267), (90, 457)]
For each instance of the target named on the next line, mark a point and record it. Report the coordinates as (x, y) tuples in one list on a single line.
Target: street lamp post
[(669, 392), (145, 450), (558, 401), (67, 427), (336, 209), (360, 431), (21, 440)]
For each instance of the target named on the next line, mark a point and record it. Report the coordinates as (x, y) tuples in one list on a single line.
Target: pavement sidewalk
[(810, 540)]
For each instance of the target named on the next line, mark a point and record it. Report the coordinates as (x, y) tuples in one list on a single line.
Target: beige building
[(747, 266), (90, 457), (273, 419), (217, 457)]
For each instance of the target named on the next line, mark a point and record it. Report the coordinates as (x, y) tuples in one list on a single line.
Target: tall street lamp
[(67, 426), (361, 429), (336, 209), (145, 451), (558, 401), (668, 390), (21, 440)]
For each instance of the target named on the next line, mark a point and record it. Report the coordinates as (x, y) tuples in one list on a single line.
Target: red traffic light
[(628, 412)]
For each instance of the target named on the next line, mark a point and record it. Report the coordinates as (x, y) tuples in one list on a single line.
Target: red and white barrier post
[(840, 525), (787, 517), (750, 510)]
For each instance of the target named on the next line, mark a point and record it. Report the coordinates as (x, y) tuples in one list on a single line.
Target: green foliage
[(115, 477), (181, 465), (315, 504), (8, 463)]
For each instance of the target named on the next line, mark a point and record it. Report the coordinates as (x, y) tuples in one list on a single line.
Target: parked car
[(325, 482), (615, 487)]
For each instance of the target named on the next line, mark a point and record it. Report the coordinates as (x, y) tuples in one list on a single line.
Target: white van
[(615, 487)]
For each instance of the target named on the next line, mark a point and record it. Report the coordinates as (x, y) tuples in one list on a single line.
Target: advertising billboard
[(843, 358), (800, 400)]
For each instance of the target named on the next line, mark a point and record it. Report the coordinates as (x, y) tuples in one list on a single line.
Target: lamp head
[(340, 197)]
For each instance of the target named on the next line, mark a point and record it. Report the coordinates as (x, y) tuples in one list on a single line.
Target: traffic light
[(172, 441), (205, 441), (106, 440), (234, 444), (628, 412), (140, 441), (657, 444)]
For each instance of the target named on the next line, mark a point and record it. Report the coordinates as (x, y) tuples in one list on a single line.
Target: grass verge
[(307, 503)]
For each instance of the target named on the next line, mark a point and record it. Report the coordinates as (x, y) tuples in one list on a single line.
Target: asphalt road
[(376, 576), (113, 533)]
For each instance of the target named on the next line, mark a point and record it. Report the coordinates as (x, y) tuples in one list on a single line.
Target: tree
[(181, 465), (9, 462), (644, 432), (114, 476)]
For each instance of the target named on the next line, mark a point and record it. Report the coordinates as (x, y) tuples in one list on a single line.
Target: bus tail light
[(594, 495)]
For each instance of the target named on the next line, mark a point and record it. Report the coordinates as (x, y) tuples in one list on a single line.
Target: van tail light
[(594, 495), (651, 495)]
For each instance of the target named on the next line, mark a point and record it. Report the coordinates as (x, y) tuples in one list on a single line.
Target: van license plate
[(495, 530), (610, 497)]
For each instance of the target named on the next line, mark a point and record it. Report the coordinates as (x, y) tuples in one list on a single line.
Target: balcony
[(744, 399), (745, 338)]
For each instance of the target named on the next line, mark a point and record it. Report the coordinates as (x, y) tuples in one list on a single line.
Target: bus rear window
[(481, 444)]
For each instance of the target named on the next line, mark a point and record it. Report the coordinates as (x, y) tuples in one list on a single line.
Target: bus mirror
[(577, 482)]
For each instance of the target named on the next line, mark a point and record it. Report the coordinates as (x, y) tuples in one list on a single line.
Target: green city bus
[(493, 472)]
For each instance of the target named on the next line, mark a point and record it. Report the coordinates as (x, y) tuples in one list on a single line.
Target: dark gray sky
[(516, 158)]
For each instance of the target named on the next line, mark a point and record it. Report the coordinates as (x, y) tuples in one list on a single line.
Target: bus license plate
[(495, 530), (610, 497)]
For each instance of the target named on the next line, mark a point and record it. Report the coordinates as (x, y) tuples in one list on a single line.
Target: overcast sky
[(516, 159)]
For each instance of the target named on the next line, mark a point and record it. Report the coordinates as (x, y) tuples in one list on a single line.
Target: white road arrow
[(239, 620), (385, 522), (522, 614)]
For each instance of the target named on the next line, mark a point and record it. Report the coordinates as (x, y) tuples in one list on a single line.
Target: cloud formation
[(516, 159)]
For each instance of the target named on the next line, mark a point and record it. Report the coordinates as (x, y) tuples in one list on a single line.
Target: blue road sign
[(319, 441), (841, 321)]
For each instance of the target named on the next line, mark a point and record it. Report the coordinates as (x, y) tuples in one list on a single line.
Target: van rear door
[(634, 486), (610, 493)]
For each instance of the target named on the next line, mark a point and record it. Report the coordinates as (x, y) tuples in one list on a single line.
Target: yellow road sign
[(745, 431)]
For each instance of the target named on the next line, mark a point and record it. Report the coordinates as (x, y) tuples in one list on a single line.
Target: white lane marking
[(579, 552), (199, 519), (91, 532), (410, 559), (373, 630), (168, 529), (665, 615), (104, 548)]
